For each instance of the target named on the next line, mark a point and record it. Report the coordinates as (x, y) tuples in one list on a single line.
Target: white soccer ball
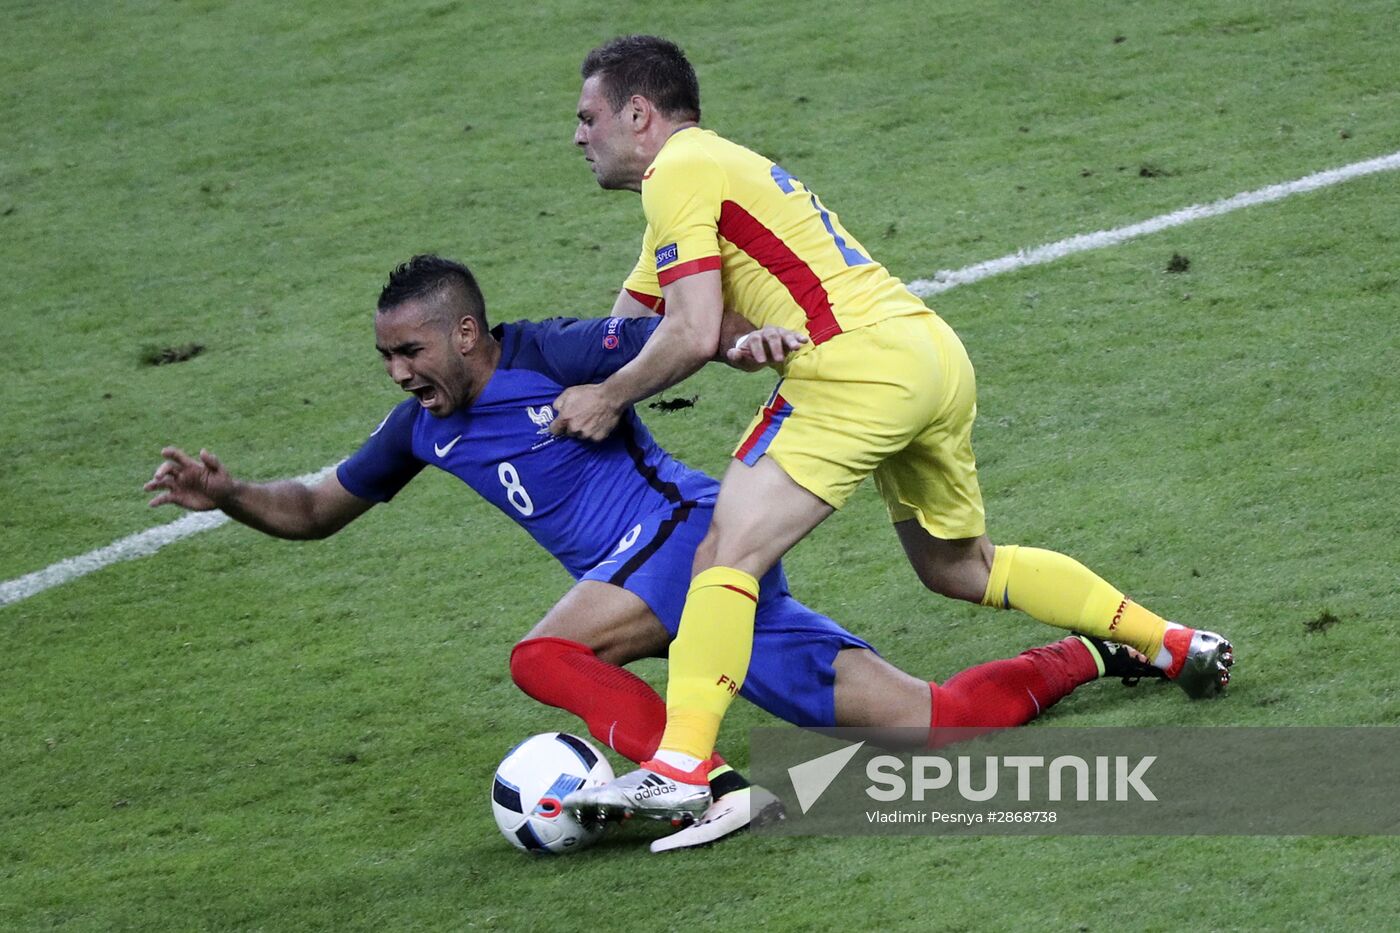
[(529, 788)]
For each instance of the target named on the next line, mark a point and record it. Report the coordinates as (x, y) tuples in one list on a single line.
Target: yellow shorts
[(897, 399)]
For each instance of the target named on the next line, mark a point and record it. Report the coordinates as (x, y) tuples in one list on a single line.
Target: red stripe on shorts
[(770, 411)]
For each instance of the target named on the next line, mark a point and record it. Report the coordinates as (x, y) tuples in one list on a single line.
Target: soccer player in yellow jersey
[(881, 386)]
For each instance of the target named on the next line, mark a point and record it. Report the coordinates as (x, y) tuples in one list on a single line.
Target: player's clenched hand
[(767, 346), (585, 412), (195, 484)]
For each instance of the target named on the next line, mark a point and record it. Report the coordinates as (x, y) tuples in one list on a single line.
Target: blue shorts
[(790, 672)]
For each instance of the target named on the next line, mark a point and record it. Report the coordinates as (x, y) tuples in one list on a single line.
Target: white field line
[(153, 539), (946, 279)]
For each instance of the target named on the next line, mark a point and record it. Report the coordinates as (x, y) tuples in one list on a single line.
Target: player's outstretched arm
[(285, 509)]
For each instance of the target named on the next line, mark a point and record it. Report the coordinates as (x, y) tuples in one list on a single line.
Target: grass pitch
[(245, 733)]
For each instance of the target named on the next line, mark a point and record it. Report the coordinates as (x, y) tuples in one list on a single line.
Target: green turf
[(245, 733)]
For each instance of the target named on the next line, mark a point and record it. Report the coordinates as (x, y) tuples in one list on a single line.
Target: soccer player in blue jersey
[(624, 518)]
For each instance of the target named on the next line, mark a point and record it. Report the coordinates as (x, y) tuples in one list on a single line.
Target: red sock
[(621, 710), (1012, 692)]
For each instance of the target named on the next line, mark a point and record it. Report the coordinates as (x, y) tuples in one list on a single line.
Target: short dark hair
[(429, 276), (651, 66)]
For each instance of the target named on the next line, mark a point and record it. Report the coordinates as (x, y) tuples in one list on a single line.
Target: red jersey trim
[(667, 276), (749, 234), (655, 302)]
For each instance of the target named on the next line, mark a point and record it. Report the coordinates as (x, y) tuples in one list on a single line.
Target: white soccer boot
[(733, 813), (656, 791)]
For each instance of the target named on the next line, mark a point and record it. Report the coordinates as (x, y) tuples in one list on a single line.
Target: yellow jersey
[(784, 258)]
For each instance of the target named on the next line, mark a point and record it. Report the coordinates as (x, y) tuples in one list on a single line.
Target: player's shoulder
[(695, 154), (401, 418), (514, 336), (396, 429), (525, 343), (570, 349), (690, 142), (688, 152), (721, 150)]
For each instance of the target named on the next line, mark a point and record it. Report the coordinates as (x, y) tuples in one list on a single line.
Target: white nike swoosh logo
[(603, 563), (444, 451)]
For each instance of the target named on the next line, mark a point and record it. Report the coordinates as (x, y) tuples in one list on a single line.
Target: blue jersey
[(623, 512), (578, 499)]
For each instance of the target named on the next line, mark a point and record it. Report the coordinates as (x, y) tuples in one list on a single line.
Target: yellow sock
[(1061, 591), (709, 658)]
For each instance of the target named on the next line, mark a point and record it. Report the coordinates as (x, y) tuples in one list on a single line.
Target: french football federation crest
[(542, 416)]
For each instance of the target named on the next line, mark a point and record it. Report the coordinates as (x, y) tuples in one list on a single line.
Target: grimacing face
[(424, 354), (606, 139)]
